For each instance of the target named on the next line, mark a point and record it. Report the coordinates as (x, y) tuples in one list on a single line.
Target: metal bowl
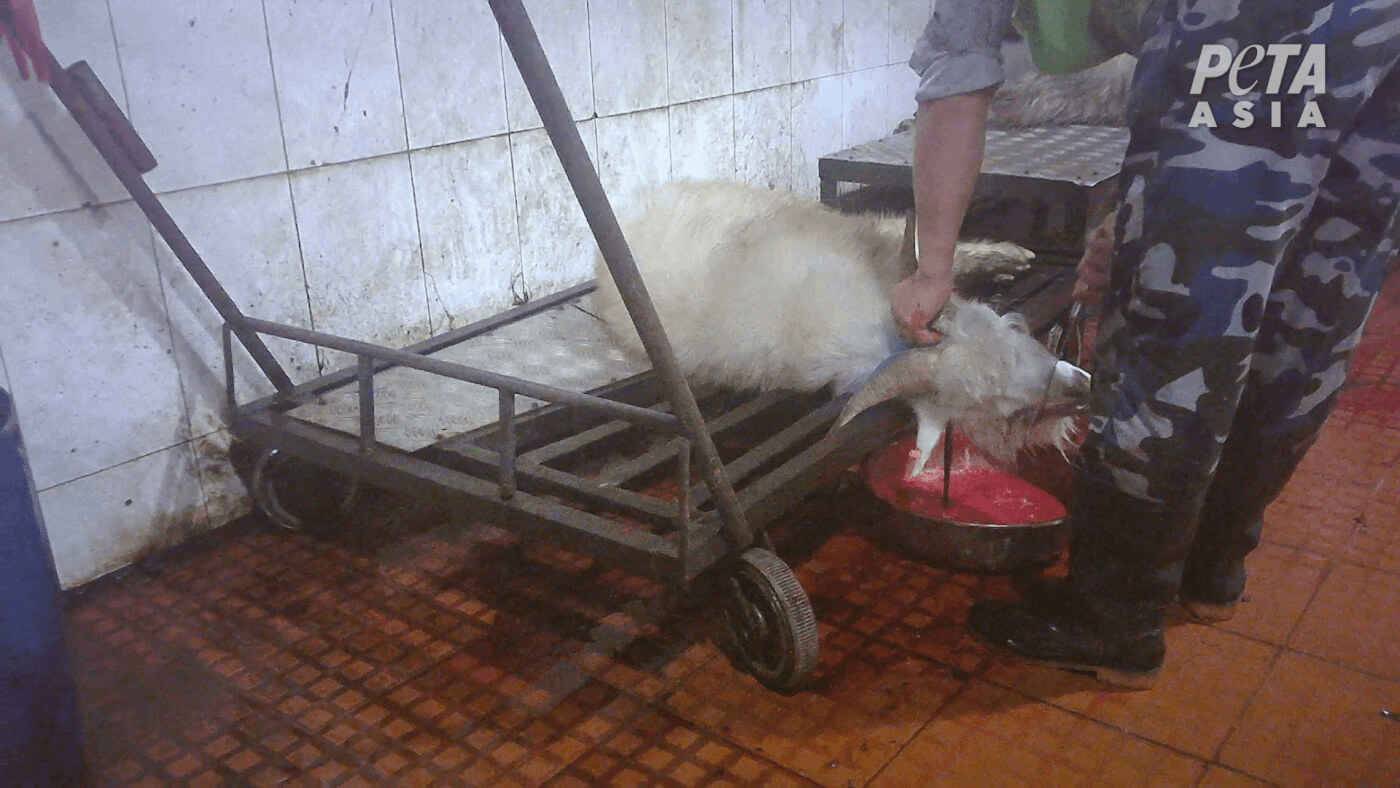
[(910, 514), (970, 547)]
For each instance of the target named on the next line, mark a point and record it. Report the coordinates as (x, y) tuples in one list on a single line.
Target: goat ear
[(905, 373)]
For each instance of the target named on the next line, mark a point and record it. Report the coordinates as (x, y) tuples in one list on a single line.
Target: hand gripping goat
[(765, 290)]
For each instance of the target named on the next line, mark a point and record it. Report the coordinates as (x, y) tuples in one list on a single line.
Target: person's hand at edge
[(19, 26), (916, 301)]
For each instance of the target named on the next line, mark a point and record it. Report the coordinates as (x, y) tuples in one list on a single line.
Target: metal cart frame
[(510, 471), (523, 471)]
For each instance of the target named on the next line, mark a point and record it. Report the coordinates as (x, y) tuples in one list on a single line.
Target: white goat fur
[(762, 289), (765, 290)]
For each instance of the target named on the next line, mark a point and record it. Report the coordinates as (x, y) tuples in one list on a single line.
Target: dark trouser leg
[(1200, 313), (1321, 297), (1250, 476)]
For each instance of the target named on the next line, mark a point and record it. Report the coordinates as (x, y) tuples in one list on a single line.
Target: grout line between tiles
[(1100, 723), (1326, 573), (1249, 703), (321, 359), (518, 271), (186, 421), (412, 181), (1235, 771), (948, 701), (116, 465), (1342, 665)]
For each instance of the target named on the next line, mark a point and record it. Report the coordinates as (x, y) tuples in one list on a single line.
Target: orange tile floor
[(407, 653)]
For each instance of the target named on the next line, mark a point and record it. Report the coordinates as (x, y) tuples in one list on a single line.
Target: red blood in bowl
[(980, 494)]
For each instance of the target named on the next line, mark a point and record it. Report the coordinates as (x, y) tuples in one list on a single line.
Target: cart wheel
[(299, 496), (771, 627)]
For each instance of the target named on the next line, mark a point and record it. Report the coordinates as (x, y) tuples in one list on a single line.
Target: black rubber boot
[(1253, 470), (1106, 618), (1213, 581)]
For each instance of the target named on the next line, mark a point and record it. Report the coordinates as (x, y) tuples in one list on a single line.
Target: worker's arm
[(949, 138), (958, 59)]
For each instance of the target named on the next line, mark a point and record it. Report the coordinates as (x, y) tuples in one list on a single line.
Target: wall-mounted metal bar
[(110, 146), (539, 78), (659, 421), (507, 451), (365, 375)]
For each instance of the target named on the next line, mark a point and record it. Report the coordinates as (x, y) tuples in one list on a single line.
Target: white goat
[(765, 290)]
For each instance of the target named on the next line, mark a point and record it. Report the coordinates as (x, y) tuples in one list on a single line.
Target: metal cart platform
[(1068, 173)]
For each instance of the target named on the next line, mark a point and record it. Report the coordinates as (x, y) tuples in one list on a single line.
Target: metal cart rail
[(537, 472)]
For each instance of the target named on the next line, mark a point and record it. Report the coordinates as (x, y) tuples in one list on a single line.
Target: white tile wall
[(702, 139), (634, 154), (628, 46), (900, 83), (435, 199), (199, 83), (700, 49), (46, 163), (360, 249), (762, 43), (817, 31), (816, 129), (562, 27), (450, 68), (556, 247), (866, 95), (102, 522), (763, 137), (865, 40), (246, 234), (466, 217), (337, 79), (907, 21), (86, 342)]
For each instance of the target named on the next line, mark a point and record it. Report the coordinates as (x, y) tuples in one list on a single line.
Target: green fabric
[(1059, 35)]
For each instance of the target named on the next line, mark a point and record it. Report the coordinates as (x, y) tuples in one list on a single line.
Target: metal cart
[(691, 484), (1042, 187)]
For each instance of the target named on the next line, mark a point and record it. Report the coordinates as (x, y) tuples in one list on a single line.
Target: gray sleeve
[(960, 49)]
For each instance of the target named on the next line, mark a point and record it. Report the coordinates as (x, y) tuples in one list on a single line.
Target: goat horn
[(903, 373)]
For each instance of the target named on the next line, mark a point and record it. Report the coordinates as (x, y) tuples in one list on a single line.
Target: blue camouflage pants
[(1247, 259)]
